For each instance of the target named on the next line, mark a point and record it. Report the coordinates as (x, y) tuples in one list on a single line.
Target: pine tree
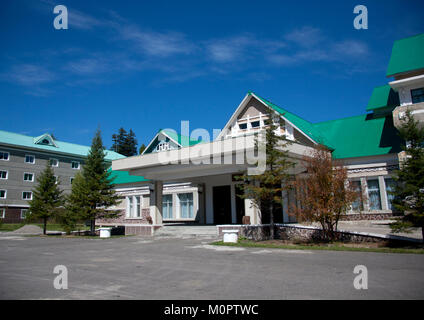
[(142, 148), (47, 198), (409, 188), (92, 190), (124, 143), (265, 189)]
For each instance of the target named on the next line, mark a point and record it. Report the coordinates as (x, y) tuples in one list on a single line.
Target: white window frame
[(362, 204), (379, 194), (163, 146), (179, 205), (23, 192), (3, 213), (8, 155), (173, 212), (29, 155), (5, 194), (79, 165), (7, 175), (33, 176), (22, 211), (57, 164)]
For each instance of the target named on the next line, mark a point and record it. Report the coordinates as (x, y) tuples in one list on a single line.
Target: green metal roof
[(184, 141), (20, 140), (305, 126), (121, 177), (407, 55), (383, 97), (361, 136)]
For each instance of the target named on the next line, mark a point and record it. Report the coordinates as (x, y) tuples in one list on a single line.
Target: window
[(134, 205), (163, 146), (3, 194), (2, 213), (3, 174), (23, 213), (29, 159), (357, 206), (138, 206), (54, 162), (56, 179), (4, 156), (129, 206), (374, 194), (71, 179), (167, 206), (417, 95), (255, 124), (75, 165), (28, 177), (186, 205), (27, 195), (243, 126), (390, 187)]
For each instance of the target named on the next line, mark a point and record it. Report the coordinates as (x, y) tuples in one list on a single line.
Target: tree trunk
[(92, 226), (271, 221), (44, 226)]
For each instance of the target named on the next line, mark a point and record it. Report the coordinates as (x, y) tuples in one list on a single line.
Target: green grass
[(50, 227), (331, 247)]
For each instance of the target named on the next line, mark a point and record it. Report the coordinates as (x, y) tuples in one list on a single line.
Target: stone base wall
[(367, 216), (123, 220), (306, 234)]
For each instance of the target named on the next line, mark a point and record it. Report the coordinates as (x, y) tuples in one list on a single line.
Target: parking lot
[(145, 268)]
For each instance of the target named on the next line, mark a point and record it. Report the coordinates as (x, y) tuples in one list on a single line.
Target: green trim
[(407, 55)]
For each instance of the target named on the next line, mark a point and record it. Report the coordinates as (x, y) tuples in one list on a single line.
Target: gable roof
[(303, 125), (383, 97), (407, 55), (20, 140), (361, 136)]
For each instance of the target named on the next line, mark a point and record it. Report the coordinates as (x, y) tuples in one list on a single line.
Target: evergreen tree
[(409, 188), (265, 189), (142, 148), (92, 190), (47, 198), (124, 143)]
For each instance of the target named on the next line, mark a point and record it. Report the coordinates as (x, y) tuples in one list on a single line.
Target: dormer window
[(243, 126), (46, 140)]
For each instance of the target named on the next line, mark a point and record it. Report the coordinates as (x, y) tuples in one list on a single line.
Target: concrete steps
[(187, 231)]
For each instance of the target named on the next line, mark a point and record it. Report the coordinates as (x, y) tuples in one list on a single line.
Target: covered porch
[(212, 168)]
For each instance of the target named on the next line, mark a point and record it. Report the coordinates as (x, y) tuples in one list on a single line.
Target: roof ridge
[(415, 35)]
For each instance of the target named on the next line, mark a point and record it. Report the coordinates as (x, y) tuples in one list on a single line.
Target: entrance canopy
[(226, 156)]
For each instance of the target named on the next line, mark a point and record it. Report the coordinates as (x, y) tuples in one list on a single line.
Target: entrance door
[(222, 205)]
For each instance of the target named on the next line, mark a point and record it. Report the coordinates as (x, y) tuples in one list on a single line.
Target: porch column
[(249, 210), (156, 202)]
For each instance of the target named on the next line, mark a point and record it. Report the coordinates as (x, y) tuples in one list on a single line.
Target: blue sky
[(148, 65)]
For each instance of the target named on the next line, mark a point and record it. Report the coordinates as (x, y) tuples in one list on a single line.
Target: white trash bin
[(230, 236), (105, 232)]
